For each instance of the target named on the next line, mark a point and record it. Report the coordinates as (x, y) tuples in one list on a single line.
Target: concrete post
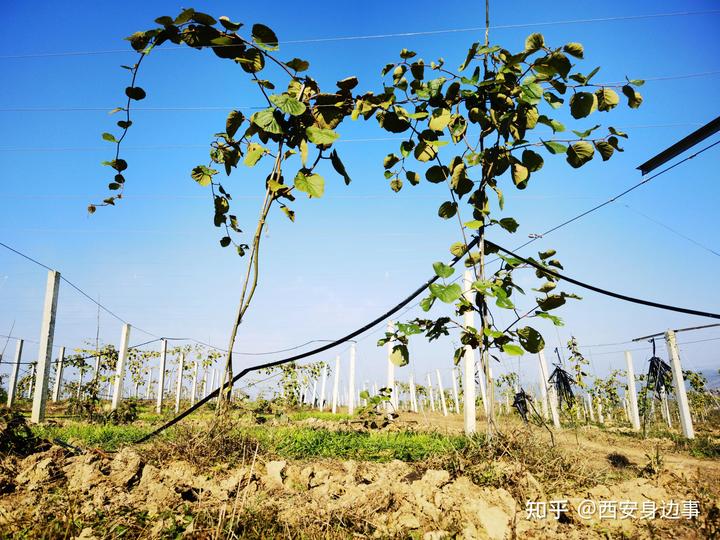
[(413, 394), (120, 368), (351, 382), (442, 393), (336, 385), (549, 390), (686, 422), (469, 413), (161, 376), (391, 371), (591, 413), (323, 385), (632, 393), (178, 388), (543, 390), (149, 384), (665, 407), (31, 386), (47, 333), (430, 393), (456, 398), (193, 388), (12, 384), (58, 375)]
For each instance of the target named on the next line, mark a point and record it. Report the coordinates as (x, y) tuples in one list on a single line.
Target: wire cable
[(605, 292)]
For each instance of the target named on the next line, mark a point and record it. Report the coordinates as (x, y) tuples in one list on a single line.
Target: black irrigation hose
[(604, 291), (318, 350)]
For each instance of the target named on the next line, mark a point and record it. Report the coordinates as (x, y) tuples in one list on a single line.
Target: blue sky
[(155, 260)]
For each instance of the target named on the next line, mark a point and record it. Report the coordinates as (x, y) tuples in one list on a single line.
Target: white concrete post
[(205, 383), (413, 394), (12, 384), (543, 391), (193, 388), (336, 385), (33, 371), (149, 384), (47, 333), (686, 422), (161, 376), (601, 418), (58, 375), (590, 407), (314, 393), (351, 382), (469, 412), (442, 393), (549, 390), (430, 393), (120, 368), (323, 384), (178, 388), (665, 407), (456, 398), (391, 371), (632, 393)]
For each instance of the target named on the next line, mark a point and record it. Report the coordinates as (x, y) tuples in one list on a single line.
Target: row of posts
[(549, 400)]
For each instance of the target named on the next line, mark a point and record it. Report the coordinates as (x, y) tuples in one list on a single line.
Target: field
[(306, 474)]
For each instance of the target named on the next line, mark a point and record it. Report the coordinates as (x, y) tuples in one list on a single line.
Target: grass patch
[(108, 437), (302, 415), (302, 443)]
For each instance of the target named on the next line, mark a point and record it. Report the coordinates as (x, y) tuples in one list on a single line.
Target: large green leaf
[(203, 175), (530, 339), (447, 209), (633, 96), (574, 49), (443, 270), (532, 160), (320, 135), (233, 122), (446, 293), (582, 104), (264, 37), (288, 104), (534, 42), (266, 121), (605, 149), (520, 175), (339, 167), (580, 153), (512, 350), (253, 154), (312, 184), (607, 99), (555, 147), (400, 355)]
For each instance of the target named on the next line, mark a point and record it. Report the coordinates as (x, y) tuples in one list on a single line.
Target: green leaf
[(633, 96), (396, 184), (321, 136), (412, 177), (555, 147), (447, 209), (474, 224), (400, 355), (557, 321), (605, 149), (109, 137), (339, 167), (534, 42), (446, 293), (135, 92), (439, 120), (582, 104), (203, 18), (556, 126), (225, 241), (546, 254), (228, 24), (520, 175), (390, 160), (266, 121), (203, 175), (530, 339), (424, 151), (532, 160), (427, 303), (554, 101), (443, 270), (607, 99), (298, 65), (531, 93), (288, 104), (574, 49), (289, 213), (264, 37), (313, 184), (233, 122), (512, 350), (553, 301), (580, 153), (253, 154), (509, 224), (437, 174), (364, 394), (251, 61)]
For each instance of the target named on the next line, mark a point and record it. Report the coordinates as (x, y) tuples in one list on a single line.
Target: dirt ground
[(130, 494)]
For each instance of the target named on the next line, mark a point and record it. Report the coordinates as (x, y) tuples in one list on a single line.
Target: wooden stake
[(686, 422), (47, 333), (12, 384), (120, 367)]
